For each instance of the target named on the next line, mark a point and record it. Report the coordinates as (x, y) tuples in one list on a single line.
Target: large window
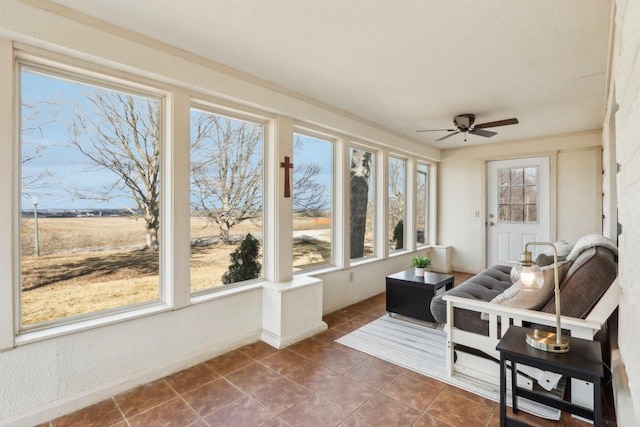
[(422, 205), (90, 196), (397, 176), (312, 202), (362, 201), (226, 199)]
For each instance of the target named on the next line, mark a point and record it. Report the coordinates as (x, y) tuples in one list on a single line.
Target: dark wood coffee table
[(410, 295)]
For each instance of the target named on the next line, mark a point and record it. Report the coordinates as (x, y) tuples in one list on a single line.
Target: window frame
[(233, 113), (427, 204), (101, 78), (319, 134), (375, 229), (406, 162)]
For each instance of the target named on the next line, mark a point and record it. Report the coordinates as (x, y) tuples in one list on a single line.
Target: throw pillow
[(562, 247), (514, 296), (543, 260)]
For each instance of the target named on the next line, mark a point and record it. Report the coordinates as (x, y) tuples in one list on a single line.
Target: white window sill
[(215, 294)]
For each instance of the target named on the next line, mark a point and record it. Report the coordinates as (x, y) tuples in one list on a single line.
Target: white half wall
[(361, 281), (461, 191), (45, 379)]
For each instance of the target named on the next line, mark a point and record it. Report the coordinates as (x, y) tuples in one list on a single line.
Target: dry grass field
[(96, 263)]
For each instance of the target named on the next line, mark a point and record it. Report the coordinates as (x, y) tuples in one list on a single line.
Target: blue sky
[(68, 169)]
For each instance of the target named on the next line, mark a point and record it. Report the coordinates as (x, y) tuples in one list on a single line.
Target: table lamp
[(528, 276)]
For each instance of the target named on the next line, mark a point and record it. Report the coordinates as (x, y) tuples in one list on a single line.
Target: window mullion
[(176, 247), (8, 177)]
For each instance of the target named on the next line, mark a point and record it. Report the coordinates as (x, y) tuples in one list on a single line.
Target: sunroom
[(144, 142)]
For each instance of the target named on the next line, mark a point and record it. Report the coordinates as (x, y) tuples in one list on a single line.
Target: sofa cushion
[(587, 280), (514, 296), (483, 287)]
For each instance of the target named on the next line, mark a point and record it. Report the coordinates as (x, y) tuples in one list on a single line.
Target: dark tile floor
[(316, 382)]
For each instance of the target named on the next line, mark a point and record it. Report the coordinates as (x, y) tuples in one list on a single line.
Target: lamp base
[(547, 341)]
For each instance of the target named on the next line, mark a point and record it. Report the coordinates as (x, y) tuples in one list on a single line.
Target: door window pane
[(362, 194), (90, 197), (518, 194)]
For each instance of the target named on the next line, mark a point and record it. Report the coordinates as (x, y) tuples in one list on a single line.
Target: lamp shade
[(530, 277)]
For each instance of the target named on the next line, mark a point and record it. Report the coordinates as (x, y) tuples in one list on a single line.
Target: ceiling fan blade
[(445, 137), (505, 122), (482, 132), (437, 130)]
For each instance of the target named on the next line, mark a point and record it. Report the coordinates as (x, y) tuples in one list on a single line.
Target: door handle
[(491, 224)]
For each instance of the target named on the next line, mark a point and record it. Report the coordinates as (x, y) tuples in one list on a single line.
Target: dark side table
[(583, 361), (411, 295)]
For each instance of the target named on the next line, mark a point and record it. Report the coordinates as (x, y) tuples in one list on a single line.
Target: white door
[(517, 207)]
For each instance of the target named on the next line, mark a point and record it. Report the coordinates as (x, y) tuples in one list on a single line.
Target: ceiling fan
[(464, 124)]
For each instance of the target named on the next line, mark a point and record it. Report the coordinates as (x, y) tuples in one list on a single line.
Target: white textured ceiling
[(405, 65)]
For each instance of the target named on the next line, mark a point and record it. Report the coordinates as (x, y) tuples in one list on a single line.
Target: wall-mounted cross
[(287, 165)]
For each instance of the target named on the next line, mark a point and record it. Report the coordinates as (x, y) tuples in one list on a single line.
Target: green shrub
[(244, 262)]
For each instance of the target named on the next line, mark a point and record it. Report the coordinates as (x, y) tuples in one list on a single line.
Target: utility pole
[(34, 199)]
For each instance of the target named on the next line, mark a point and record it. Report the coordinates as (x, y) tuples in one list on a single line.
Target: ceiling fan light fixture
[(464, 123)]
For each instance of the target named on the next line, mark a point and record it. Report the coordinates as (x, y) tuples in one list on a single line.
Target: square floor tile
[(243, 412), (175, 412), (212, 396), (314, 411), (144, 397), (191, 378), (279, 395), (459, 411), (383, 411), (252, 377), (346, 393), (105, 413), (230, 362), (412, 391), (374, 373)]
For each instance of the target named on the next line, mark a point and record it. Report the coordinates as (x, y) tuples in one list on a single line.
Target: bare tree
[(34, 118), (396, 190), (122, 135), (359, 183), (226, 170), (310, 197), (226, 173), (396, 194)]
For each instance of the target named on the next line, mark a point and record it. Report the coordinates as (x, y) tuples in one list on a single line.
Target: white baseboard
[(460, 269), (104, 391), (282, 342), (356, 299)]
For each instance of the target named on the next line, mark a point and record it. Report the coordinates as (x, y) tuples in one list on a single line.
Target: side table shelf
[(583, 361)]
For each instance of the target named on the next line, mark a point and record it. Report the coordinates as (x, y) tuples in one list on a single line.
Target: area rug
[(421, 348)]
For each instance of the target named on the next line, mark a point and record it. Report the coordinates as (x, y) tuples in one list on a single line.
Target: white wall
[(626, 75), (461, 191), (345, 287), (579, 197)]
